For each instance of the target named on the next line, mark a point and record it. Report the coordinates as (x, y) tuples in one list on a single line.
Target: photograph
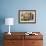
[(27, 16)]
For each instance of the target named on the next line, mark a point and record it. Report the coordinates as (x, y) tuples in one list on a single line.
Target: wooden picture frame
[(27, 16)]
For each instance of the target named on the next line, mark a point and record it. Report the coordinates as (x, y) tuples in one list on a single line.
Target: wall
[(9, 8)]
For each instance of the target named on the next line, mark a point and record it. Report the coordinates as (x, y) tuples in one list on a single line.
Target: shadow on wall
[(2, 21)]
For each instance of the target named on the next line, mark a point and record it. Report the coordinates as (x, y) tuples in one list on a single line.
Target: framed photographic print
[(27, 16)]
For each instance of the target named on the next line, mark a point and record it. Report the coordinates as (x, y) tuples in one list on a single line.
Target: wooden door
[(13, 43), (33, 43)]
